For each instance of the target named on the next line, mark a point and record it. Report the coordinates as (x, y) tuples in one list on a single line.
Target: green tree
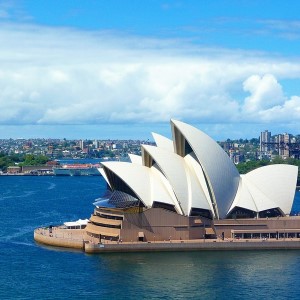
[(32, 160)]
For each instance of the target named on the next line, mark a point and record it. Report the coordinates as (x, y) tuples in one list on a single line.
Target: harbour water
[(31, 271)]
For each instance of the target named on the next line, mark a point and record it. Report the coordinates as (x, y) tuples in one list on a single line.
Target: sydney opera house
[(187, 188)]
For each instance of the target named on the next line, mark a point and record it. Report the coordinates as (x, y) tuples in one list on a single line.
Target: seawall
[(192, 246), (68, 238), (63, 239)]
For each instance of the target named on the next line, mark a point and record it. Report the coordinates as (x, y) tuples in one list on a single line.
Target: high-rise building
[(81, 144), (96, 144), (265, 138), (283, 141), (286, 138)]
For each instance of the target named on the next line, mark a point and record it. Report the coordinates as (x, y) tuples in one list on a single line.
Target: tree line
[(21, 160)]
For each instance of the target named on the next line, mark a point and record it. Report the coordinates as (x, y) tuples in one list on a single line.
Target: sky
[(122, 69)]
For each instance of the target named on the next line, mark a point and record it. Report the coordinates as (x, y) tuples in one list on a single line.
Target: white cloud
[(289, 110), (267, 102), (265, 92), (63, 76)]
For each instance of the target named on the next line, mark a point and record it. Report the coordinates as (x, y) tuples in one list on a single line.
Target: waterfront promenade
[(77, 239), (60, 237)]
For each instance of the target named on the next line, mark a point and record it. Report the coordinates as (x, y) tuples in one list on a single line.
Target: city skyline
[(143, 137), (92, 69)]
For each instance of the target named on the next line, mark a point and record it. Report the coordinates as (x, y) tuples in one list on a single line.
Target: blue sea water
[(31, 271)]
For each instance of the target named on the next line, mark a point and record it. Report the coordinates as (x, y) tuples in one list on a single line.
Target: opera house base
[(195, 245), (109, 230)]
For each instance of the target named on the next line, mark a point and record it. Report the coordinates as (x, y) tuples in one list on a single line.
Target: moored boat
[(77, 170)]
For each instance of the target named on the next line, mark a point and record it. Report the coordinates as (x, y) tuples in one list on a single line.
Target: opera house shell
[(192, 175)]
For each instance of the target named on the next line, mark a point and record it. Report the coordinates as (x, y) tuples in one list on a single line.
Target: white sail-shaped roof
[(261, 200), (102, 172), (200, 193), (194, 173), (278, 182), (135, 159), (163, 142), (146, 183), (252, 198), (161, 190), (221, 174), (185, 184), (243, 197), (172, 166), (136, 176), (267, 187)]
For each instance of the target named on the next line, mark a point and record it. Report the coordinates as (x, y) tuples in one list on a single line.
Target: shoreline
[(25, 174)]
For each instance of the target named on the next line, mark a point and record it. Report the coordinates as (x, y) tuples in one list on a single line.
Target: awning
[(209, 230), (76, 223), (141, 234)]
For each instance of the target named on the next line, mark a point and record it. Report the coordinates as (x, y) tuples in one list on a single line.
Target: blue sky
[(121, 69)]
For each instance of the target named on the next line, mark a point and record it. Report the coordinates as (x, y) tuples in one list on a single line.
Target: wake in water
[(19, 233), (51, 186), (24, 195), (23, 243)]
